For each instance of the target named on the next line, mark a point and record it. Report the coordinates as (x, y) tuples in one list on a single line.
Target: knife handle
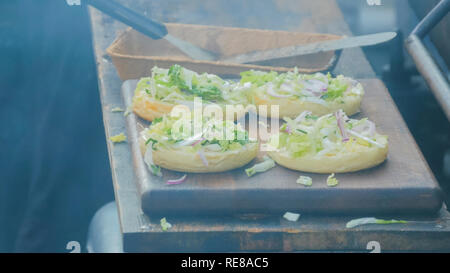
[(145, 25)]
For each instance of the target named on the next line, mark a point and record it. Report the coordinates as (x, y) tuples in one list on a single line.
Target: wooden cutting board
[(403, 184)]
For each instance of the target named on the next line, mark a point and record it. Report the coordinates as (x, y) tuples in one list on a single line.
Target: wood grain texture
[(254, 232)]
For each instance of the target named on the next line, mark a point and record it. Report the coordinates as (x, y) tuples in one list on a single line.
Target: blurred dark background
[(54, 165), (54, 169)]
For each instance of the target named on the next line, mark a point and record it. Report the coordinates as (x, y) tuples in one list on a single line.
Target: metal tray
[(401, 185)]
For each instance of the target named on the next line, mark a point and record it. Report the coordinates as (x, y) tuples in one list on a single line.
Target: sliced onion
[(213, 147), (190, 141), (365, 138), (340, 124), (315, 100), (273, 93), (300, 117), (286, 87), (368, 127), (315, 85), (308, 93), (197, 141), (288, 129), (202, 157), (177, 181)]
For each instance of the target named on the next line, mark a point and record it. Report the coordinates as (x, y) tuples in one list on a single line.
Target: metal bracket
[(423, 60)]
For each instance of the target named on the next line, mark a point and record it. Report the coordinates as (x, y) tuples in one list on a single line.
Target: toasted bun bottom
[(150, 109), (341, 163), (293, 107)]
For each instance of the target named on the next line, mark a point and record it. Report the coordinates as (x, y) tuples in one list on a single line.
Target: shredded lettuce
[(336, 89), (290, 216), (332, 181), (117, 109), (148, 159), (164, 224), (258, 77), (180, 84), (127, 112), (371, 220), (178, 133), (316, 88), (264, 166)]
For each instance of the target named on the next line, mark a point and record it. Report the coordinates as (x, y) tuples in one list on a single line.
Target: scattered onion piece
[(190, 141), (202, 157), (118, 138), (177, 181), (288, 129), (164, 224), (371, 220), (315, 85), (316, 100), (365, 138), (332, 181), (340, 124), (273, 93), (213, 147)]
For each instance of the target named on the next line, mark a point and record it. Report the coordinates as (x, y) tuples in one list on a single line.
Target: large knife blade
[(291, 51)]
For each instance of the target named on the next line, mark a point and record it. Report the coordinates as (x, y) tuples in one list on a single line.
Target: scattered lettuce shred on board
[(118, 138), (117, 109), (266, 165)]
